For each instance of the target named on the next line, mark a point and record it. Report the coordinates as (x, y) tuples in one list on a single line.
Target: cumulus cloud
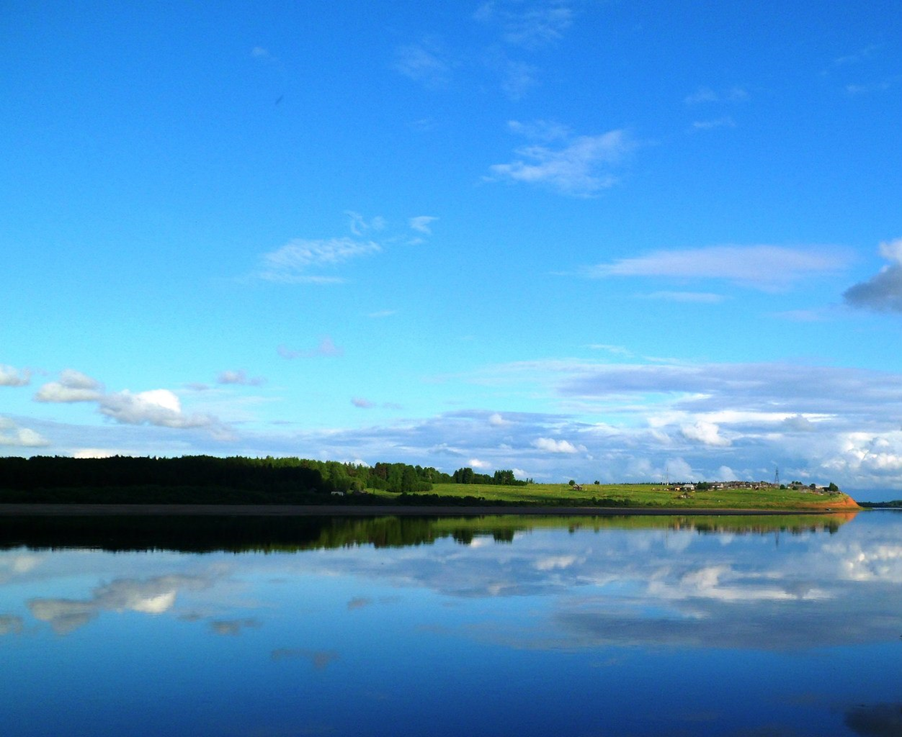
[(551, 445), (882, 292), (325, 349), (759, 266), (239, 377), (294, 262), (706, 433), (20, 437), (10, 376), (159, 407), (73, 386), (576, 165), (478, 464)]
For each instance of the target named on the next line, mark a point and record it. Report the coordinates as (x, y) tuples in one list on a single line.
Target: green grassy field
[(644, 495)]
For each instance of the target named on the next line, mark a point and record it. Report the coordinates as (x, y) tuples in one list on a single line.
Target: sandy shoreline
[(251, 510)]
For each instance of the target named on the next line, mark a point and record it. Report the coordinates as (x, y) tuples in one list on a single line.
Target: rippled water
[(495, 626)]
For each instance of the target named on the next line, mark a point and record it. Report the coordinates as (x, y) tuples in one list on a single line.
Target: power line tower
[(777, 476)]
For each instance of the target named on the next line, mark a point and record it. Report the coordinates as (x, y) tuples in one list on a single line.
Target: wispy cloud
[(725, 121), (691, 297), (424, 62), (868, 88), (576, 165), (262, 54), (362, 403), (759, 266), (531, 24), (294, 262), (240, 378), (325, 349), (882, 292), (706, 95), (422, 223), (10, 376)]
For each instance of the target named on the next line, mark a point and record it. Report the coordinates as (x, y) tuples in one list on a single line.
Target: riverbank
[(349, 510)]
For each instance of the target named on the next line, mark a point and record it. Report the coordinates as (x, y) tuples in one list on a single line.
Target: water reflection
[(483, 625), (290, 534)]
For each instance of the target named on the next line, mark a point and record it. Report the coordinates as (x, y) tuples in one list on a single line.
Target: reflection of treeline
[(265, 479), (270, 534), (236, 534)]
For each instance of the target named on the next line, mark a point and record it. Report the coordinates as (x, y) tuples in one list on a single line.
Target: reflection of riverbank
[(240, 533)]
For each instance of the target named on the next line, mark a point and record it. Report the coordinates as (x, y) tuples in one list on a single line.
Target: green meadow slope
[(641, 495)]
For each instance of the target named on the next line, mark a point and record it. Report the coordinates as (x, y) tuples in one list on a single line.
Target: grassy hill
[(645, 495)]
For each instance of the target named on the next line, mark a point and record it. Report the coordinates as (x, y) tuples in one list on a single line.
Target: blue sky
[(592, 240)]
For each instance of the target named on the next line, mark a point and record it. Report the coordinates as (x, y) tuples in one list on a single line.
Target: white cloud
[(422, 223), (496, 420), (73, 386), (325, 349), (20, 437), (579, 166), (478, 464), (99, 453), (725, 473), (556, 446), (706, 433), (159, 407), (10, 376), (239, 377), (760, 266), (882, 292), (292, 262)]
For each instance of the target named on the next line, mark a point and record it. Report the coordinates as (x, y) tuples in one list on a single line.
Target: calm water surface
[(504, 626)]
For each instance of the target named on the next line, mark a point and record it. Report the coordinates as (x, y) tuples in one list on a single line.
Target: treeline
[(499, 478), (269, 475), (274, 477)]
